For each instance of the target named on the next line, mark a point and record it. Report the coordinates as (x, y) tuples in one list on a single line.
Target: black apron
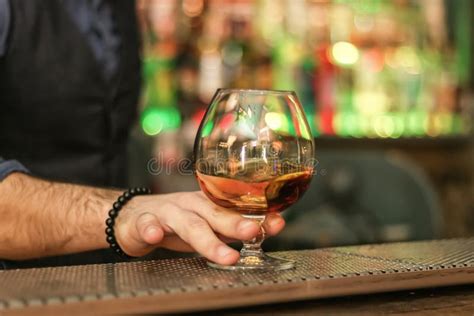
[(59, 116)]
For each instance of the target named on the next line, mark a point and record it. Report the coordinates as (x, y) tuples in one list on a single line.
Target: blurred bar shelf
[(335, 142)]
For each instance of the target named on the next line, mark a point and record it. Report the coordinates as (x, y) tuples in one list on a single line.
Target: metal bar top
[(175, 285)]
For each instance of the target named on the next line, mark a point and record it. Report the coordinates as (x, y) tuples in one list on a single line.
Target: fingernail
[(224, 251), (246, 225), (276, 221), (150, 230)]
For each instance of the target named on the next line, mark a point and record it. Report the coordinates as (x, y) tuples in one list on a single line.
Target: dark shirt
[(4, 25), (9, 166), (95, 21)]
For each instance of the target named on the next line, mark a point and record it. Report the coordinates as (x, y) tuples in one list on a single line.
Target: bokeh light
[(157, 119), (276, 121), (193, 8), (344, 53)]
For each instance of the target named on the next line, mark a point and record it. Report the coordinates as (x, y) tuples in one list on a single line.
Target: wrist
[(116, 228), (97, 205)]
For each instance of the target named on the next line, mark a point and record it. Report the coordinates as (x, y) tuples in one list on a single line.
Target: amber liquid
[(255, 195)]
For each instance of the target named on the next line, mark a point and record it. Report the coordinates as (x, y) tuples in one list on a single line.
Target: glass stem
[(252, 247)]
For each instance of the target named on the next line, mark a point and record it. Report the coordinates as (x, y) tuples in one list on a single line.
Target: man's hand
[(186, 222), (41, 218)]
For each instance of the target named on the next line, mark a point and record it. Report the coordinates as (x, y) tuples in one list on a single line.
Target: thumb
[(149, 229)]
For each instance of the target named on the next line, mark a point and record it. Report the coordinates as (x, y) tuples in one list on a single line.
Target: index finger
[(226, 222), (195, 231)]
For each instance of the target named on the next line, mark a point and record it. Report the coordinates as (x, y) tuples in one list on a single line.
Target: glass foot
[(256, 262)]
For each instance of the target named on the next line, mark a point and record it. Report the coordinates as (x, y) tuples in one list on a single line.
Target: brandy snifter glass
[(254, 154)]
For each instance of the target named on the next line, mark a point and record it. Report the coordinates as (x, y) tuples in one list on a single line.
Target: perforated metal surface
[(427, 253), (35, 287)]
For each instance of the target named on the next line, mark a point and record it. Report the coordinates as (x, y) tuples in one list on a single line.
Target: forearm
[(42, 218)]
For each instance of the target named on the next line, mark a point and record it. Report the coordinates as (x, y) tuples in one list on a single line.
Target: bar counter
[(189, 285), (453, 300)]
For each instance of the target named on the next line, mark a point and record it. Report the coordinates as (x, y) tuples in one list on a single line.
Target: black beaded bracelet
[(113, 213)]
